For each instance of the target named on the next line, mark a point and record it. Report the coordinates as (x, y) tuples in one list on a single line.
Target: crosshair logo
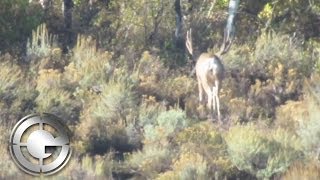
[(40, 144)]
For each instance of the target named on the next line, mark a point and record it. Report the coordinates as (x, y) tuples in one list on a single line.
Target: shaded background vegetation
[(119, 77)]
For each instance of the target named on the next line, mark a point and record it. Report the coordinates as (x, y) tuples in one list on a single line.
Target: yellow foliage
[(187, 166), (290, 114), (49, 79), (204, 139), (8, 168), (53, 97), (149, 68), (168, 175), (89, 66), (287, 139), (303, 171), (266, 13), (10, 76), (200, 134), (151, 160), (240, 109), (262, 153), (150, 72), (179, 86), (189, 159), (72, 74), (90, 167)]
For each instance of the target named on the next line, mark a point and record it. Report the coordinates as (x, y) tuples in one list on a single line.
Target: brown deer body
[(210, 73)]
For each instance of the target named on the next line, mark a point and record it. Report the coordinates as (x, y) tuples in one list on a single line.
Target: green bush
[(188, 166), (269, 74), (302, 170), (107, 118), (17, 92), (309, 125), (150, 161), (41, 43), (8, 168), (149, 110), (117, 104), (262, 153), (205, 140), (173, 120), (16, 30), (150, 72), (88, 167), (53, 97), (178, 87), (167, 123), (10, 77), (88, 67)]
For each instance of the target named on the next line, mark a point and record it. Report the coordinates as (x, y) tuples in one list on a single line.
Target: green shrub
[(149, 110), (279, 63), (289, 115), (202, 134), (167, 123), (107, 118), (8, 168), (150, 72), (10, 77), (188, 166), (43, 52), (238, 56), (117, 104), (15, 30), (173, 120), (150, 161), (53, 96), (302, 170), (17, 92), (90, 132), (206, 140), (262, 153), (178, 87), (269, 74), (88, 167), (309, 125), (41, 43), (279, 48), (89, 66)]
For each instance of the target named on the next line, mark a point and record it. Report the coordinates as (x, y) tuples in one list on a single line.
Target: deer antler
[(228, 38), (189, 41)]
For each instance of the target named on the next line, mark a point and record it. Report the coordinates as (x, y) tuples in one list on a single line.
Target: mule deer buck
[(210, 72)]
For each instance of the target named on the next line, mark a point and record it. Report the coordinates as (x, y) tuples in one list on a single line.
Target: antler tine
[(230, 38), (227, 42), (189, 41), (223, 46)]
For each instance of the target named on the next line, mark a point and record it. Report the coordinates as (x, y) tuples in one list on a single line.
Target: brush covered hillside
[(118, 73)]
